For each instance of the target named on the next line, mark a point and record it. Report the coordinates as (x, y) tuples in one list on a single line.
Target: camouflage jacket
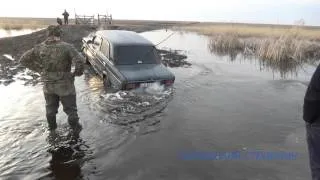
[(65, 14), (53, 60)]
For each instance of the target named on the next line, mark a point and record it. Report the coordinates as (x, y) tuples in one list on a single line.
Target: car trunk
[(145, 72)]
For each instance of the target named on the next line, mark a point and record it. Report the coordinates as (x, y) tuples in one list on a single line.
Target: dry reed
[(288, 48), (253, 30)]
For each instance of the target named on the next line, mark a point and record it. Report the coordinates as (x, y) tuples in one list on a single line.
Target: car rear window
[(127, 55)]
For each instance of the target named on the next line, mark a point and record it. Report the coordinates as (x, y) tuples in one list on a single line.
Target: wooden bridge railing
[(82, 19), (104, 19)]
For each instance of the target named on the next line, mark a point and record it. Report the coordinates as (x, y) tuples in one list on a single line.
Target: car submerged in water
[(125, 60)]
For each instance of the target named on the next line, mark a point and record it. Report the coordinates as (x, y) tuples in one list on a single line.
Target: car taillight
[(131, 86), (168, 82)]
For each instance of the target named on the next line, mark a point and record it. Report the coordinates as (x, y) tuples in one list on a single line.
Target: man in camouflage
[(66, 17), (53, 59)]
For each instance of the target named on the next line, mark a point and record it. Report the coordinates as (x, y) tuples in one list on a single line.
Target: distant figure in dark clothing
[(59, 21), (311, 115), (66, 17)]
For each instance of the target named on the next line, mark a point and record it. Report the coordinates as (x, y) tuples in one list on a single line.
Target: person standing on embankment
[(66, 17)]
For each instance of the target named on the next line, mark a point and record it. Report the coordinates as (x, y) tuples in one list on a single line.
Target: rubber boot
[(52, 124), (74, 124)]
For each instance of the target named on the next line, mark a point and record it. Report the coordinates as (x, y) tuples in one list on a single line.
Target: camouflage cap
[(54, 31)]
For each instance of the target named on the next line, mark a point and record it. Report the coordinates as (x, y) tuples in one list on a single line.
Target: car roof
[(123, 37)]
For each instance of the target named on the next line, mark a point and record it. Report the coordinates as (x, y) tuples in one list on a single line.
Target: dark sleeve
[(311, 106), (77, 59), (30, 60), (315, 80)]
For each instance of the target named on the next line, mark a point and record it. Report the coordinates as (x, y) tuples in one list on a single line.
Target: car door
[(108, 63), (101, 58), (94, 47)]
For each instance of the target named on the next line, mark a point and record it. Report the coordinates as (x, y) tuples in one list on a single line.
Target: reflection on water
[(68, 152), (284, 68), (11, 33)]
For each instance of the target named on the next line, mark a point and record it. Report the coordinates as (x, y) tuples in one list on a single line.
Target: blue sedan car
[(125, 60)]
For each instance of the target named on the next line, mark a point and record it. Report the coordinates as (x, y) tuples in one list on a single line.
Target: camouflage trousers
[(69, 107), (66, 21), (313, 140)]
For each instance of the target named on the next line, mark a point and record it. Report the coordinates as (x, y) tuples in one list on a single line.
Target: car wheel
[(106, 81)]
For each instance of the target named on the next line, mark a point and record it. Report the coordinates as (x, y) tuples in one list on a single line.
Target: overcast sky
[(252, 11)]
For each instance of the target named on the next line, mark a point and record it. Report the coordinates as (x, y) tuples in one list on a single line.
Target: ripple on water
[(128, 107), (140, 107)]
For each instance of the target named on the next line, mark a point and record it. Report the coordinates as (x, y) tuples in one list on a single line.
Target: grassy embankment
[(275, 44), (36, 23)]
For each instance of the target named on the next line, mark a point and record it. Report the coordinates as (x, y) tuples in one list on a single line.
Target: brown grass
[(285, 53), (284, 48), (252, 30), (273, 44), (226, 43)]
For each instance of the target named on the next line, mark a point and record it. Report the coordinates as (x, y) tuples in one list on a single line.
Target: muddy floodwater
[(218, 104)]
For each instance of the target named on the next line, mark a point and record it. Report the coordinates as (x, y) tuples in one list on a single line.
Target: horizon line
[(189, 21)]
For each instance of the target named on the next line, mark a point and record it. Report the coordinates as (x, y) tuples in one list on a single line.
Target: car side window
[(97, 42), (105, 48)]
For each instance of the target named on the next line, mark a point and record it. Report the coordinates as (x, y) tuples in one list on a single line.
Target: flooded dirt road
[(218, 104)]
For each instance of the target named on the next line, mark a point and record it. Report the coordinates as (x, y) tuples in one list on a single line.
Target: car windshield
[(127, 55)]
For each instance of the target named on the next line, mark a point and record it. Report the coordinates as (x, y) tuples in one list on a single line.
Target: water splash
[(128, 107), (8, 56)]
